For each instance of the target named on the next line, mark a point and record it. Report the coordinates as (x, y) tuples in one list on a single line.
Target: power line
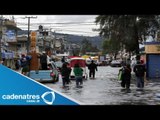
[(59, 25), (62, 27), (60, 22), (51, 24), (70, 30), (76, 31)]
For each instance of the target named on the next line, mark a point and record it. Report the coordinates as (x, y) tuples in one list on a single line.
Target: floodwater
[(105, 89)]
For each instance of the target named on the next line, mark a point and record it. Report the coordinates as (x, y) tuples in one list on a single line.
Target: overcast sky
[(69, 24)]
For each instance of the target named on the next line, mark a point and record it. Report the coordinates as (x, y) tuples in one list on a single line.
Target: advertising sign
[(10, 36), (33, 41)]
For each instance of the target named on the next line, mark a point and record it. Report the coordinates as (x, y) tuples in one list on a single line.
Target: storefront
[(8, 59), (152, 50)]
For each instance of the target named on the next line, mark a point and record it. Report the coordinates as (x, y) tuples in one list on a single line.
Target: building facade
[(9, 42)]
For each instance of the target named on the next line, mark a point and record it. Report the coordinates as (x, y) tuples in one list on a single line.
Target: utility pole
[(54, 41), (44, 42), (28, 41), (1, 32)]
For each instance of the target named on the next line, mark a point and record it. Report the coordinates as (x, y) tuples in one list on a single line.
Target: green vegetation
[(126, 31)]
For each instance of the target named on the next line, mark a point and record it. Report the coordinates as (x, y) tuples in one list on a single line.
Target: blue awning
[(7, 55)]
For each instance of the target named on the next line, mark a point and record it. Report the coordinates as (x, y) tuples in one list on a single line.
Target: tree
[(111, 47), (86, 46), (129, 30)]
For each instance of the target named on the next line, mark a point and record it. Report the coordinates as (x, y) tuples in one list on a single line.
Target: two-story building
[(9, 42)]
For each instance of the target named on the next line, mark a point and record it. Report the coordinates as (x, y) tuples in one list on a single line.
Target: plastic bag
[(120, 75)]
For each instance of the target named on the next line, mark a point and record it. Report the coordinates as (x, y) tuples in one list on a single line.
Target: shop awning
[(7, 55)]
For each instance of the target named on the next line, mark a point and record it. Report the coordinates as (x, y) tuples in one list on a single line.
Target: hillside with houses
[(95, 40)]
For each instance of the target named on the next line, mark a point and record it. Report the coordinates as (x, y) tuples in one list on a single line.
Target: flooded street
[(105, 89)]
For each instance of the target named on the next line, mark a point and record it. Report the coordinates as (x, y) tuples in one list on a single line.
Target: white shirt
[(48, 60)]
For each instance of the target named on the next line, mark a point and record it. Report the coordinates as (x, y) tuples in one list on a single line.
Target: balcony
[(9, 22)]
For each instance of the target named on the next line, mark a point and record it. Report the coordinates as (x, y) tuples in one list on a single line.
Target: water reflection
[(106, 90)]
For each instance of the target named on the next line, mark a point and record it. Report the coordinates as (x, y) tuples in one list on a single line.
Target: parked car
[(104, 63), (88, 61), (116, 63)]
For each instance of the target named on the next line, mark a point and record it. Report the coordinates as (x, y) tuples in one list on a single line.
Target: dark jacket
[(92, 67), (24, 62), (43, 58), (139, 70), (126, 73), (65, 72)]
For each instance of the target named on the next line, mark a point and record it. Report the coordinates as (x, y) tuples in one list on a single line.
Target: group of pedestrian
[(78, 72), (139, 70), (66, 71), (22, 64)]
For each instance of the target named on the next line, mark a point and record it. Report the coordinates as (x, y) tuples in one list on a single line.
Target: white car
[(88, 61), (116, 63)]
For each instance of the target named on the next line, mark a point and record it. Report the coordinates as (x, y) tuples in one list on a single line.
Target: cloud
[(70, 18), (68, 24)]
